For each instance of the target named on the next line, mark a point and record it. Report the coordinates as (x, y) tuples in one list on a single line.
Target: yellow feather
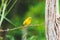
[(27, 21)]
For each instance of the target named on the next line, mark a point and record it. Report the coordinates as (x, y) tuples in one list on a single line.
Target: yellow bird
[(27, 21)]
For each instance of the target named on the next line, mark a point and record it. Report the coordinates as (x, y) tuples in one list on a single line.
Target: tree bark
[(52, 20)]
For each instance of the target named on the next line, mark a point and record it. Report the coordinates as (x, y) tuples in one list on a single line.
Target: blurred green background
[(21, 10)]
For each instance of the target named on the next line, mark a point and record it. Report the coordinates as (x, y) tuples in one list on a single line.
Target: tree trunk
[(52, 20)]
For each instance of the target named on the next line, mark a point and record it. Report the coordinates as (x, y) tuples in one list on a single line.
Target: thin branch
[(21, 27)]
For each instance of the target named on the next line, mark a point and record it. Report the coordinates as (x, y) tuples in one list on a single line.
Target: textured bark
[(52, 20)]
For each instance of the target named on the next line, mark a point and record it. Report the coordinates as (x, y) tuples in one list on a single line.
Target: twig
[(20, 27)]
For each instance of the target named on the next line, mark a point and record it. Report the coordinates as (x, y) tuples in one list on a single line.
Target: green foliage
[(23, 9), (9, 37)]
